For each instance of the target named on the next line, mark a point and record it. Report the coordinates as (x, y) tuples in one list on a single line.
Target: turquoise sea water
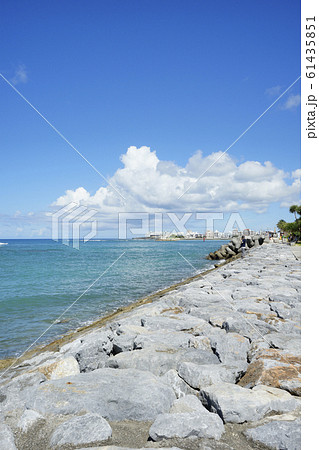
[(39, 279)]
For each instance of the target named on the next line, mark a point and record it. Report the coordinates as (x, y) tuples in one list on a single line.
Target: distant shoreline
[(180, 239)]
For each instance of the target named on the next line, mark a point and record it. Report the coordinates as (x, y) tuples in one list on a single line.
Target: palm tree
[(281, 225), (294, 209)]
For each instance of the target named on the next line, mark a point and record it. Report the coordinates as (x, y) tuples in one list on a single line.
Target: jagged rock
[(284, 311), (10, 393), (199, 376), (237, 404), (288, 342), (6, 438), (187, 404), (279, 435), (247, 326), (289, 298), (114, 394), (160, 362), (182, 322), (176, 383), (231, 349), (94, 351), (220, 316), (123, 343), (85, 429), (163, 340), (28, 419), (186, 425), (272, 368), (61, 368)]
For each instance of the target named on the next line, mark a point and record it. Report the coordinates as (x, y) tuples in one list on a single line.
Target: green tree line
[(292, 229)]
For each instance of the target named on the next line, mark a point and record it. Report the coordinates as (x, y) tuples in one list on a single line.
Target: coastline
[(210, 362), (100, 322)]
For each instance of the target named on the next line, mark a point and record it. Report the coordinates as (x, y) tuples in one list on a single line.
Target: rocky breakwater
[(212, 364), (232, 249)]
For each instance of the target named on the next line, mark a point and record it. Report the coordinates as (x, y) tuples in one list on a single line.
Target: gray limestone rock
[(187, 404), (231, 349), (123, 343), (279, 434), (85, 429), (160, 362), (237, 405), (187, 425), (288, 342), (199, 376), (10, 393), (246, 325), (162, 340), (181, 322), (93, 351), (114, 394)]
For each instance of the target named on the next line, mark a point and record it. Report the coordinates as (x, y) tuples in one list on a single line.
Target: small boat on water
[(3, 243)]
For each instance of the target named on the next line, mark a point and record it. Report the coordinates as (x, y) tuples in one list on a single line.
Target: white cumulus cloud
[(151, 185)]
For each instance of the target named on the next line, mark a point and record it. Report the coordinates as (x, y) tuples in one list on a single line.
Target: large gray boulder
[(123, 343), (10, 393), (290, 343), (180, 322), (278, 434), (93, 351), (160, 362), (187, 425), (114, 394), (85, 429), (247, 325), (162, 340), (237, 405), (231, 349), (198, 376)]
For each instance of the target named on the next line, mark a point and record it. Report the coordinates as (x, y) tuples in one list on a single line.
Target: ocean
[(40, 278)]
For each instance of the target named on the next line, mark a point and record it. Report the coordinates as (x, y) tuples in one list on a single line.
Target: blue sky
[(173, 76)]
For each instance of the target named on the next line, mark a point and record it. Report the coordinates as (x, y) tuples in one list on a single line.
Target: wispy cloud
[(275, 90), (20, 76), (292, 102)]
